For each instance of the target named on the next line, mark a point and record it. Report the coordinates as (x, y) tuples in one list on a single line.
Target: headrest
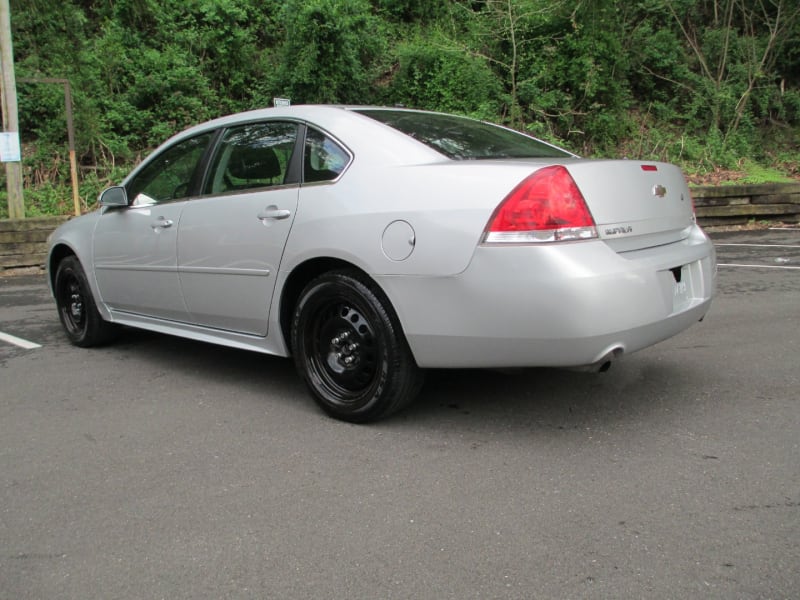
[(248, 162)]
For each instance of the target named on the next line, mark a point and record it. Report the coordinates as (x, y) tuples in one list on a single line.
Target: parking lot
[(164, 468)]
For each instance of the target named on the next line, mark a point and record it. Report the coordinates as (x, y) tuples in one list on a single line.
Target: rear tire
[(76, 306), (350, 350)]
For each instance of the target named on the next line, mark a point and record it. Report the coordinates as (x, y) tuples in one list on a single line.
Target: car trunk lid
[(635, 204)]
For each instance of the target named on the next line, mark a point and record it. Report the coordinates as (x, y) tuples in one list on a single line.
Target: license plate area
[(682, 289)]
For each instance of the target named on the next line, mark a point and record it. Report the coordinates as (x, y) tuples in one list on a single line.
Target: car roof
[(341, 121), (317, 113)]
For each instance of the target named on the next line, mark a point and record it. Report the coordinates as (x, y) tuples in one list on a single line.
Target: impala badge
[(659, 190), (619, 230)]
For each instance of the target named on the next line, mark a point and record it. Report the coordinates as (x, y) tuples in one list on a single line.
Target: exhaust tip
[(604, 364)]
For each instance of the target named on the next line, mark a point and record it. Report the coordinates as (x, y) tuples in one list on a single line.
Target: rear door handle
[(273, 213)]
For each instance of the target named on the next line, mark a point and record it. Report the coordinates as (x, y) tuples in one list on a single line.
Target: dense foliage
[(707, 83)]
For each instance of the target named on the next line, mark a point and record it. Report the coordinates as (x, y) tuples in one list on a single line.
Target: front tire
[(350, 350), (76, 306)]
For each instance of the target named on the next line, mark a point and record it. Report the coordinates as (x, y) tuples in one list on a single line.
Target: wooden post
[(16, 204), (73, 166)]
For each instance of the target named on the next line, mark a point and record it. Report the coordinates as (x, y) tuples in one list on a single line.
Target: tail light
[(545, 207)]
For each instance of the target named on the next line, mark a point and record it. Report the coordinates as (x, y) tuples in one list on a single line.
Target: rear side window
[(252, 156), (460, 138), (323, 159)]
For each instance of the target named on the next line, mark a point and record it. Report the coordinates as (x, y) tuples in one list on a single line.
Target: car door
[(135, 246), (231, 240)]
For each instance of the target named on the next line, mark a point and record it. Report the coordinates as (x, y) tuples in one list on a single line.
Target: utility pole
[(16, 205)]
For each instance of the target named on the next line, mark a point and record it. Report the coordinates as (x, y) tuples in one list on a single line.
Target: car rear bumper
[(571, 304)]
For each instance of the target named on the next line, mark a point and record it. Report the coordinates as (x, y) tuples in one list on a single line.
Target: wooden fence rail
[(741, 204), (23, 242)]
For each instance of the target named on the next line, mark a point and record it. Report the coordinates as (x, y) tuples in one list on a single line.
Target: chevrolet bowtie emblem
[(659, 190)]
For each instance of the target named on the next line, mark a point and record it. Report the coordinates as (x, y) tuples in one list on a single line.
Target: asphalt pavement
[(163, 468)]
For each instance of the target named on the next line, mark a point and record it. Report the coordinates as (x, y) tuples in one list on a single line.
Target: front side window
[(169, 175), (323, 159), (252, 156)]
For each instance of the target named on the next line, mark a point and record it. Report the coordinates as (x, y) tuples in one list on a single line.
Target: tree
[(735, 46), (329, 51)]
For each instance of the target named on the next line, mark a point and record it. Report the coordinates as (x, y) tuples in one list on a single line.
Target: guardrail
[(23, 242), (741, 204)]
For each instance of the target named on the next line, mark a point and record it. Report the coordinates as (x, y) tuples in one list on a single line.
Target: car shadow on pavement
[(638, 388), (198, 362)]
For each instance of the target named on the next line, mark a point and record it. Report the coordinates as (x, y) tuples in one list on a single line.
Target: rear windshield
[(461, 138)]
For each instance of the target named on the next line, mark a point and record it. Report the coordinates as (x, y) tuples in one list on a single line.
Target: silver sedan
[(372, 243)]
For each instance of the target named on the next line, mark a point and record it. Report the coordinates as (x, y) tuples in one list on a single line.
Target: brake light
[(545, 207)]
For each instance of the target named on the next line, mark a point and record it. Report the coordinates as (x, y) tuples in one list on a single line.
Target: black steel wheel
[(350, 350), (76, 307)]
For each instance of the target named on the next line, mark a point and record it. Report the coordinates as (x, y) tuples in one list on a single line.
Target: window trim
[(199, 178), (292, 178)]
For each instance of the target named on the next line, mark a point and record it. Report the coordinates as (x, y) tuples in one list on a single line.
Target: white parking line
[(757, 266), (5, 337), (761, 245)]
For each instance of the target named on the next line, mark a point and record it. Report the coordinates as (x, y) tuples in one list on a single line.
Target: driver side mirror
[(114, 196)]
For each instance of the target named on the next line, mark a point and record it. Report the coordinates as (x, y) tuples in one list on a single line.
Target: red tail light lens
[(545, 207)]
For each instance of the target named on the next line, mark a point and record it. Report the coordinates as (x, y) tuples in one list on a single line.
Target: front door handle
[(161, 223), (273, 213)]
